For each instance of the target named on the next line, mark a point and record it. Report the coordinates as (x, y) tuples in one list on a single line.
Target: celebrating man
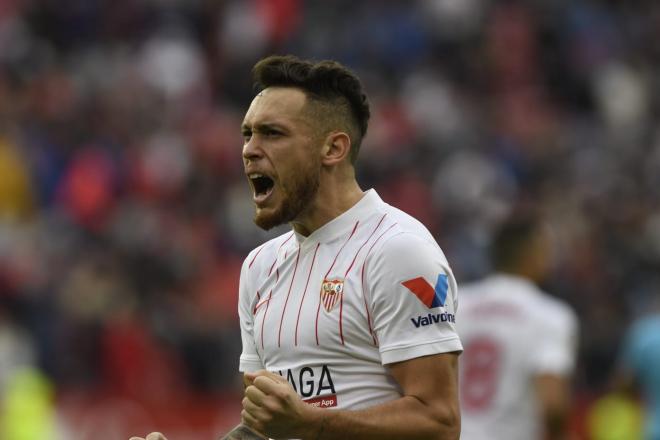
[(348, 320)]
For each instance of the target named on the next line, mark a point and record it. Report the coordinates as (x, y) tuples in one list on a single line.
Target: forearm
[(404, 418), (428, 409), (555, 423), (553, 392)]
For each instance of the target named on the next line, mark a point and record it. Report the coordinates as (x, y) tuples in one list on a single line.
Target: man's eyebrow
[(265, 126)]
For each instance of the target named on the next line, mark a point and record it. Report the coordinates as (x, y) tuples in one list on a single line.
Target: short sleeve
[(249, 360), (412, 293), (555, 347)]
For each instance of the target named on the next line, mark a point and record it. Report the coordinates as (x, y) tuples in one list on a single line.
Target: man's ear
[(337, 147)]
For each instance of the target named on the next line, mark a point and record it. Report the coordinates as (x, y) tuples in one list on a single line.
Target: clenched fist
[(152, 436), (273, 407)]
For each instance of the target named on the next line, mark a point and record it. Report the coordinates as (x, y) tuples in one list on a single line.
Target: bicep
[(433, 380)]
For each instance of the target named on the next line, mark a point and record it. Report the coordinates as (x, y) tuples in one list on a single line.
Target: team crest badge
[(331, 291)]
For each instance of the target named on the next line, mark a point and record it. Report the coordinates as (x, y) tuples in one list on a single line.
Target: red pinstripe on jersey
[(270, 294), (277, 253), (318, 309), (257, 305), (309, 274), (267, 301), (255, 255), (364, 296), (371, 330), (261, 303), (363, 244), (341, 298), (262, 248), (286, 301)]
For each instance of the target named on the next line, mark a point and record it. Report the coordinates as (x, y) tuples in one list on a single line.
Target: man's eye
[(247, 135), (271, 133)]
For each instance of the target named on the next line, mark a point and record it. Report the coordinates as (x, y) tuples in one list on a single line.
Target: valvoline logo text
[(431, 297)]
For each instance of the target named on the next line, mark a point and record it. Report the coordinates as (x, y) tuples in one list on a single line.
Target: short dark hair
[(326, 82)]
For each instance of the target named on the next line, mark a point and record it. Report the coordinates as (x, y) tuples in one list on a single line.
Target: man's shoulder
[(403, 232), (404, 243), (407, 224), (549, 314), (519, 292), (401, 249), (555, 310)]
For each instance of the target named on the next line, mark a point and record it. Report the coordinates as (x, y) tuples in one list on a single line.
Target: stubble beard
[(297, 194)]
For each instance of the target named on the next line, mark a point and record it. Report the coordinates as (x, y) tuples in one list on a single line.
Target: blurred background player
[(520, 343)]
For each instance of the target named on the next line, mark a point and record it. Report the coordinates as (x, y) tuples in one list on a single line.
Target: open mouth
[(262, 185)]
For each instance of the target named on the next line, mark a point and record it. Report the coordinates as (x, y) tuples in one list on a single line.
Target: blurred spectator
[(26, 396), (16, 198)]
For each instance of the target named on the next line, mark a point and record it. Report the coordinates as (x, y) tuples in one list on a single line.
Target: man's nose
[(251, 150)]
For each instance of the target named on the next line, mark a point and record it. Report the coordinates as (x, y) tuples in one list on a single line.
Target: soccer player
[(348, 320), (520, 343)]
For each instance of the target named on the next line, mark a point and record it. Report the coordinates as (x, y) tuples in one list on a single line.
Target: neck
[(331, 201)]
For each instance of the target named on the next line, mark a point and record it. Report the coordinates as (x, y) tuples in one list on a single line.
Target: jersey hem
[(249, 364), (398, 354)]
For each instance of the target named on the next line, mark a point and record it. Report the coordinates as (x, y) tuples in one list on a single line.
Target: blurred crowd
[(124, 214)]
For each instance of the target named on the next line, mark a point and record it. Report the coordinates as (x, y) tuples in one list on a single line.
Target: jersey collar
[(345, 222)]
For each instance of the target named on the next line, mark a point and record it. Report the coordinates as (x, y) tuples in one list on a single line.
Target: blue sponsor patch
[(441, 287)]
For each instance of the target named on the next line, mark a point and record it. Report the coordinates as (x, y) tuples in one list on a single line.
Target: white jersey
[(330, 310), (511, 331)]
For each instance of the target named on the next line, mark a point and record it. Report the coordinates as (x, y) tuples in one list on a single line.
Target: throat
[(301, 228), (317, 215)]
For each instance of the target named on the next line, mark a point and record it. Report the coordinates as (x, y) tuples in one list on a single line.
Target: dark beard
[(296, 197)]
